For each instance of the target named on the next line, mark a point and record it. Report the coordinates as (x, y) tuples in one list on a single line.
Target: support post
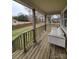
[(34, 25), (45, 22)]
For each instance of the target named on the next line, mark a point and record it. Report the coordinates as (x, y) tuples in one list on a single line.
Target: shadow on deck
[(42, 50)]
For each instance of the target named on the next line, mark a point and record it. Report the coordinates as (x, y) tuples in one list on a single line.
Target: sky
[(55, 16), (18, 8)]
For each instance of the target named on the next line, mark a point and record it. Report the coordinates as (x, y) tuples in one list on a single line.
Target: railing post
[(45, 22), (24, 42), (34, 25)]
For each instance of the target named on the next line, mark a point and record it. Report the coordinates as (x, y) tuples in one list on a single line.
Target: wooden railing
[(25, 40), (39, 31)]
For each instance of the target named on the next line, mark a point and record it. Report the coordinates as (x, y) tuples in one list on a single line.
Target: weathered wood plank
[(43, 50)]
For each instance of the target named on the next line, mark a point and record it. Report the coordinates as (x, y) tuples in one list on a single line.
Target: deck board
[(44, 50)]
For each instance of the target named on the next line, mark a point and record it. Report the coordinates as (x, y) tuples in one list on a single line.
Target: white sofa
[(56, 37)]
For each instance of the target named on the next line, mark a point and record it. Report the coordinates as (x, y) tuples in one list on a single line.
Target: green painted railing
[(25, 40)]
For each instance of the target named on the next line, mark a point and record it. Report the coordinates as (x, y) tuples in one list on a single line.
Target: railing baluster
[(26, 38), (13, 46), (16, 44), (20, 41), (29, 37), (24, 42), (32, 36)]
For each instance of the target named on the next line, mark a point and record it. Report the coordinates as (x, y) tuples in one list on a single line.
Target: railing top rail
[(22, 33)]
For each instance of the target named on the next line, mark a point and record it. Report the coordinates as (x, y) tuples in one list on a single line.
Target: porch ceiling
[(46, 6)]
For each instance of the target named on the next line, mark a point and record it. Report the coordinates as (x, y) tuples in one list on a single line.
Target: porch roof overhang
[(45, 6)]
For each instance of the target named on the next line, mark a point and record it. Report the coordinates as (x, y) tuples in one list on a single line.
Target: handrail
[(25, 40)]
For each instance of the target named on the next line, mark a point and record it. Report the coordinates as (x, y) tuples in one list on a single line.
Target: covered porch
[(34, 44)]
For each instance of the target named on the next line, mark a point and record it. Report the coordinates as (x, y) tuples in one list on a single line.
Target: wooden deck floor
[(42, 50)]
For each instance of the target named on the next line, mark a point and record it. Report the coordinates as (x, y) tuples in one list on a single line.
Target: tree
[(15, 17), (21, 17)]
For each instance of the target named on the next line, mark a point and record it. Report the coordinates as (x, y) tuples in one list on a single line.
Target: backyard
[(17, 32)]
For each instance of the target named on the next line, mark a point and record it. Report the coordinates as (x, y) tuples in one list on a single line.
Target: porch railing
[(25, 40)]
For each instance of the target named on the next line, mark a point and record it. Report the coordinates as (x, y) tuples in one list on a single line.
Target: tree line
[(21, 17)]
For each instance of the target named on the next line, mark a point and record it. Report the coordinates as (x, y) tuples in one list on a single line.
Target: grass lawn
[(17, 32)]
